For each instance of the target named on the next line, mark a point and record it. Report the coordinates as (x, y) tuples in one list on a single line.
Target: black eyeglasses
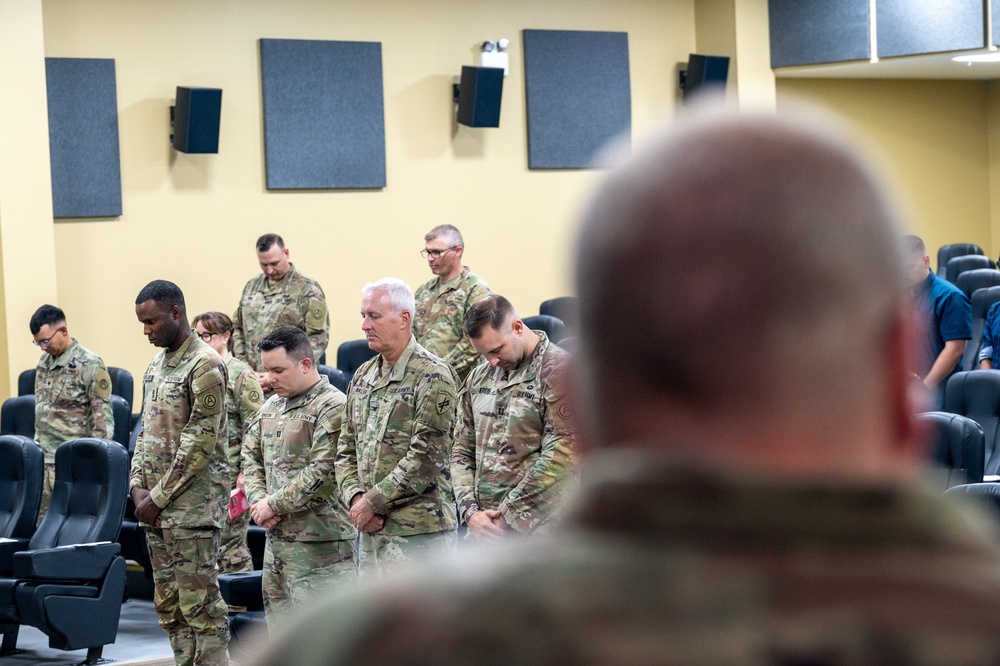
[(206, 336), (436, 254), (44, 344)]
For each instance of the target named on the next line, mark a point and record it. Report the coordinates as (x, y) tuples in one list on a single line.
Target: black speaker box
[(705, 71), (479, 96), (196, 120)]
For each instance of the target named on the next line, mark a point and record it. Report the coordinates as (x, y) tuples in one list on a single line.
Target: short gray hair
[(446, 232), (400, 294)]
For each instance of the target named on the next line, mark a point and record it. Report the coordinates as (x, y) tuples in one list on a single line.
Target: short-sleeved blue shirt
[(949, 313), (991, 336)]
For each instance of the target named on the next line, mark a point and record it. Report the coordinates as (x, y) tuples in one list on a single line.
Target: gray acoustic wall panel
[(807, 32), (83, 137), (909, 27), (324, 125), (996, 22), (578, 95)]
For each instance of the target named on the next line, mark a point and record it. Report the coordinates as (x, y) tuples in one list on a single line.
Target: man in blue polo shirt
[(949, 322)]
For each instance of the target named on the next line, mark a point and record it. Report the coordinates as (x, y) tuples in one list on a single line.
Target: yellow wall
[(193, 218), (936, 136)]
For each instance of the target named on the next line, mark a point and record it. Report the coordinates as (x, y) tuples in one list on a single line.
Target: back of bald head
[(736, 263)]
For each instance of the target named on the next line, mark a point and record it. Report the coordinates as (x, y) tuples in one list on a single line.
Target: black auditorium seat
[(958, 265), (554, 327), (70, 580), (22, 469), (976, 395), (352, 354), (946, 252), (336, 376), (17, 416), (959, 447)]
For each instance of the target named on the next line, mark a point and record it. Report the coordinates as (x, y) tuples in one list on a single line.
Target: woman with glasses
[(243, 398)]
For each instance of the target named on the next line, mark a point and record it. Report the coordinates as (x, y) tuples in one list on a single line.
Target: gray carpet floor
[(140, 641)]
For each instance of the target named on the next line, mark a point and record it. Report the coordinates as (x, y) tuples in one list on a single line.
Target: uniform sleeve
[(956, 317), (990, 333), (317, 480), (346, 464), (252, 460), (136, 478), (248, 397), (239, 332), (316, 318), (200, 435), (430, 445), (463, 456), (539, 492), (102, 419), (463, 357)]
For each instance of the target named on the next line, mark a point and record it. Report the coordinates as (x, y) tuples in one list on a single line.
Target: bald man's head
[(737, 265)]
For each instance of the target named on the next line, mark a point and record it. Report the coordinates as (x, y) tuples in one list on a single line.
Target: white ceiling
[(932, 66)]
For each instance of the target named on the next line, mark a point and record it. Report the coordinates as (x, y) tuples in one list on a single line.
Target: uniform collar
[(306, 396), (280, 284), (62, 359), (171, 359), (378, 379), (452, 284), (528, 368)]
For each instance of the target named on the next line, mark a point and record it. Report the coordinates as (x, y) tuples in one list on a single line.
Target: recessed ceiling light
[(993, 56)]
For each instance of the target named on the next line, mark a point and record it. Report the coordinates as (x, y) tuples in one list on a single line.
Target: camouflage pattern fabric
[(288, 457), (72, 399), (296, 300), (514, 448), (181, 457), (379, 553), (243, 398), (188, 603), (440, 313), (663, 562), (296, 571), (395, 444)]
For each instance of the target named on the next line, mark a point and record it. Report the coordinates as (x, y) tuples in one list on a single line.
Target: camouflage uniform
[(296, 300), (440, 313), (513, 447), (72, 400), (243, 398), (288, 458), (181, 460), (395, 448), (657, 562)]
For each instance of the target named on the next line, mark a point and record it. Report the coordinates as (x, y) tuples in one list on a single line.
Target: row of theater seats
[(67, 577), (966, 266), (968, 428)]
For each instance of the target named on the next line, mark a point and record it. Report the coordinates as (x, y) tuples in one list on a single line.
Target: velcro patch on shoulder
[(316, 319), (208, 391), (102, 384)]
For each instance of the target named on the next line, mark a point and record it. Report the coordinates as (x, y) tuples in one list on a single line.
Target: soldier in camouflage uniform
[(751, 495), (243, 398), (72, 391), (442, 302), (279, 296), (289, 456), (513, 456), (180, 477), (395, 444)]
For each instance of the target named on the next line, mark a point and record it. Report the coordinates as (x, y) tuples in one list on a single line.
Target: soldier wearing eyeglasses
[(443, 301), (72, 391)]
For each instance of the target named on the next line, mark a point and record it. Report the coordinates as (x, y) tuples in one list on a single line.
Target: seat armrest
[(7, 549), (88, 561), (242, 589)]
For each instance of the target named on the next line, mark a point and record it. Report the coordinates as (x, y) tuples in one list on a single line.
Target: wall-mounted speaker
[(479, 96), (704, 71), (196, 120)]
